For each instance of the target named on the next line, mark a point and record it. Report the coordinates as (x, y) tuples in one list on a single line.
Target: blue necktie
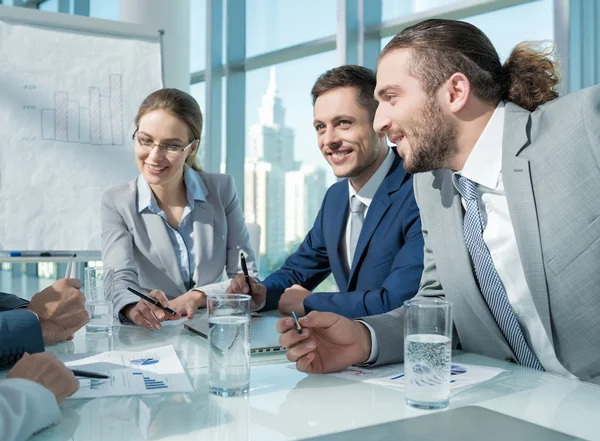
[(489, 281)]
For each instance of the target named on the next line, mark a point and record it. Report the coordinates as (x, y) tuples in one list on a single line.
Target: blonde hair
[(181, 105)]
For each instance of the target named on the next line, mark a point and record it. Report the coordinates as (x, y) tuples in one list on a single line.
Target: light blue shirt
[(182, 238)]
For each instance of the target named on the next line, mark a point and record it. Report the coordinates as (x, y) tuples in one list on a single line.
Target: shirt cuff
[(374, 346)]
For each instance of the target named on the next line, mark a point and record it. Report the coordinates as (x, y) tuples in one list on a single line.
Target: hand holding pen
[(151, 311), (244, 284)]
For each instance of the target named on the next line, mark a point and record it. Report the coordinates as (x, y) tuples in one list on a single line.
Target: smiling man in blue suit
[(368, 231)]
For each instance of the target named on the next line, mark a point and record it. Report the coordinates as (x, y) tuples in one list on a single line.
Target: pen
[(151, 300), (298, 327), (245, 271), (41, 254), (70, 268), (86, 374)]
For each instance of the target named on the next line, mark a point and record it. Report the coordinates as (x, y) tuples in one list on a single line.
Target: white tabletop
[(285, 404)]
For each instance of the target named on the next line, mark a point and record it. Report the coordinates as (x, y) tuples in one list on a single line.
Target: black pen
[(245, 271), (86, 374), (151, 300), (298, 327)]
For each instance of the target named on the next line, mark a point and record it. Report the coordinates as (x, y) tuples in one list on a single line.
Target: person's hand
[(45, 369), (147, 315), (293, 300), (61, 310), (238, 285), (328, 342), (187, 304)]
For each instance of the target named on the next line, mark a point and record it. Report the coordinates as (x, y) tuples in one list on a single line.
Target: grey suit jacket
[(551, 174), (137, 244)]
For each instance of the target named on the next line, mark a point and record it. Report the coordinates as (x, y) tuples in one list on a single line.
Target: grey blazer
[(137, 244), (551, 174)]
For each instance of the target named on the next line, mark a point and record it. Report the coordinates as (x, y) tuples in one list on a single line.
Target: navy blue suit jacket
[(388, 260), (20, 330)]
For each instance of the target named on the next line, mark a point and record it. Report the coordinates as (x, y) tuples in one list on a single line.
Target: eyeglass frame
[(161, 146)]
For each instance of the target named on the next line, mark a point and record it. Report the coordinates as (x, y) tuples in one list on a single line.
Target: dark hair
[(440, 48), (363, 80), (179, 104)]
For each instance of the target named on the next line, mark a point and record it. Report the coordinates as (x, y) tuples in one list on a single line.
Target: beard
[(369, 161), (432, 138)]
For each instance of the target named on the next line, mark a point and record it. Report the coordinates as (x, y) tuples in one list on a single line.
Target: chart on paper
[(93, 119), (131, 373)]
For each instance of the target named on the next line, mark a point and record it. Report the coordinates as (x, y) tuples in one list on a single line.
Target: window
[(106, 9), (197, 35), (274, 24), (396, 9), (285, 174), (509, 26)]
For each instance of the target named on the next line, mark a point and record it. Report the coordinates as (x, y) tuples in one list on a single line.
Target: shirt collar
[(484, 164), (367, 192), (194, 191)]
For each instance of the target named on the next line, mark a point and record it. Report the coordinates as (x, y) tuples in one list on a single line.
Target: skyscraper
[(271, 154), (304, 192)]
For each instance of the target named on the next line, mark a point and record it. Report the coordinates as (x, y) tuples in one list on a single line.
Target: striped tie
[(489, 281)]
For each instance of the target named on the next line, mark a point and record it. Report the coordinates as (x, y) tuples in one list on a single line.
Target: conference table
[(285, 404)]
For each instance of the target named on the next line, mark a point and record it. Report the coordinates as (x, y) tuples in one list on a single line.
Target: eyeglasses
[(147, 145)]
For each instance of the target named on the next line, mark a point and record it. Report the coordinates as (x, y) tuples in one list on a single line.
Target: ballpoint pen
[(151, 300), (245, 271)]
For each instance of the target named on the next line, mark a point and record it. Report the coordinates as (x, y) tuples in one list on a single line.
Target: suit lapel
[(203, 235), (521, 205), (159, 237), (334, 227), (463, 281), (204, 231)]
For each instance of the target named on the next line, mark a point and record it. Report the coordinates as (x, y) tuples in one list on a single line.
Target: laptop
[(263, 334), (462, 424)]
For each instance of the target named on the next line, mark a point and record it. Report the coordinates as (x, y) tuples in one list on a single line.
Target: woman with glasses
[(175, 230)]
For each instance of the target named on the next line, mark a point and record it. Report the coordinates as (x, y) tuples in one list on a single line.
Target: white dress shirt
[(484, 167), (25, 408)]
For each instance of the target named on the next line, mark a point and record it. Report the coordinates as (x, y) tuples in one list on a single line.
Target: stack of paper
[(462, 375), (131, 373)]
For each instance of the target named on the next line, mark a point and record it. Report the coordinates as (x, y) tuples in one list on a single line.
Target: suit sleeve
[(20, 332), (25, 409), (389, 327), (8, 302), (117, 253), (401, 284), (307, 267)]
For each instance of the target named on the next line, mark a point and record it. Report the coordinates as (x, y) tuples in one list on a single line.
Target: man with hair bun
[(507, 182)]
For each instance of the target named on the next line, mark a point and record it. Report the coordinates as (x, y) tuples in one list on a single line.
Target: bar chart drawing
[(101, 123)]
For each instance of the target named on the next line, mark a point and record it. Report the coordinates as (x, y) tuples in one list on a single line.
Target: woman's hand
[(147, 315), (187, 304)]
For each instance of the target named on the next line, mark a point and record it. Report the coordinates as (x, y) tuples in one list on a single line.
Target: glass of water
[(427, 352), (99, 284), (229, 341)]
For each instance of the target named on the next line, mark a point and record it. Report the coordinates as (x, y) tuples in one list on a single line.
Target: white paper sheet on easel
[(462, 375), (151, 371)]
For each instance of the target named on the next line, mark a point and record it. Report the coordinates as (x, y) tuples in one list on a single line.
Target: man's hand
[(328, 343), (293, 300), (61, 310), (45, 369), (147, 315), (238, 285), (187, 304)]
